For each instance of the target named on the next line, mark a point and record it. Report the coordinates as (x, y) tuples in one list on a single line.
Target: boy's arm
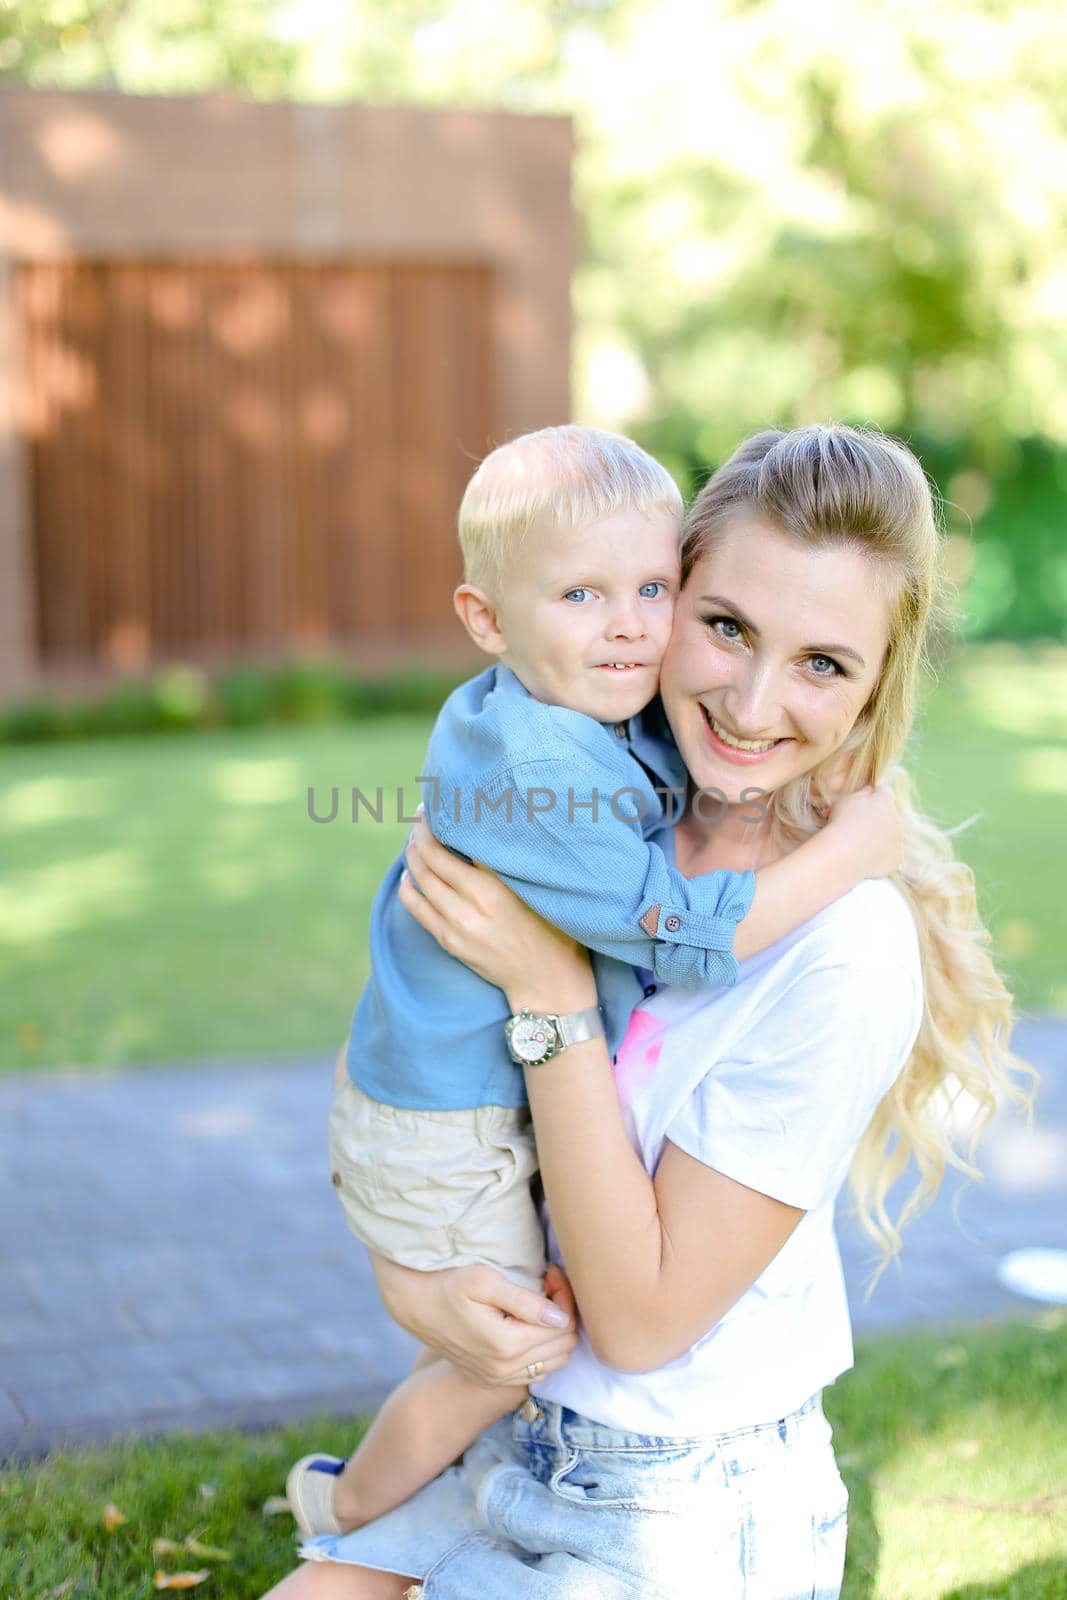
[(862, 840), (610, 889), (599, 880)]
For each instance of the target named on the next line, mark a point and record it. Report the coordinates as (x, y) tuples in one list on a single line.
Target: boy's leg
[(420, 1430), (431, 1418)]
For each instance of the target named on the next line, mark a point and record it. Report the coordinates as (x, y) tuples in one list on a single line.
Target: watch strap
[(578, 1026)]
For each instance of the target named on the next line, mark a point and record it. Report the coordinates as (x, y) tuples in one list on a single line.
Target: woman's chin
[(720, 792), (737, 782)]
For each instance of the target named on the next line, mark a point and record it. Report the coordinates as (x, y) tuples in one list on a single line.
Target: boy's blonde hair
[(559, 477), (857, 488)]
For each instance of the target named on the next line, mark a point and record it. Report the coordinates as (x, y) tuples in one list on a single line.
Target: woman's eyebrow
[(732, 607), (812, 649)]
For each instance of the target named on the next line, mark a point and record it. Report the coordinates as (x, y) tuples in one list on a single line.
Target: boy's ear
[(478, 615)]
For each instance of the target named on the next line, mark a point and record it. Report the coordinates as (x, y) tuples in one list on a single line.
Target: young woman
[(681, 1449)]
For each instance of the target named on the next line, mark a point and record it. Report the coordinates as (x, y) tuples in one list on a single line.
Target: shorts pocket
[(829, 1536), (392, 1225), (634, 1480)]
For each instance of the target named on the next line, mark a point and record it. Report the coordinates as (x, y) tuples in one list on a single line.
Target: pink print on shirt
[(637, 1056)]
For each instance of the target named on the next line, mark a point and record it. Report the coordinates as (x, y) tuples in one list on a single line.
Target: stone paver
[(947, 1272), (172, 1254)]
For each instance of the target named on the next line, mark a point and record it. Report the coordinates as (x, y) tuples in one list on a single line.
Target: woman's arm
[(654, 1263)]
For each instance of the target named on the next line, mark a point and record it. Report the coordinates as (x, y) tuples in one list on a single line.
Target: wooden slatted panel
[(249, 454)]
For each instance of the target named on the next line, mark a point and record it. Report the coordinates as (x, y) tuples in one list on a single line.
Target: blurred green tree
[(790, 212)]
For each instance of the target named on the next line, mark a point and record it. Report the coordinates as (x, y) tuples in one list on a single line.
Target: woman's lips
[(740, 758)]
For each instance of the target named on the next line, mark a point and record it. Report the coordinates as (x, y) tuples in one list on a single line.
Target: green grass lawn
[(954, 1449), (992, 743), (168, 896)]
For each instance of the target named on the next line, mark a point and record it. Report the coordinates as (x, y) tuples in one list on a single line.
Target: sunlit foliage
[(789, 212)]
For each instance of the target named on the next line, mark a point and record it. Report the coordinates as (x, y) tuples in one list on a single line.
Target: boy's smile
[(584, 614)]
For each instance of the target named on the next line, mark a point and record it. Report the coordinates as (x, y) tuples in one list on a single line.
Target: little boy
[(553, 768)]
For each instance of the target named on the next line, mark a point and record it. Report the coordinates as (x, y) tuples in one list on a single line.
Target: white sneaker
[(309, 1491)]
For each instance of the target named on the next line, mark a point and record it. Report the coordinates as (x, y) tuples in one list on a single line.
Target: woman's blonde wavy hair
[(854, 487)]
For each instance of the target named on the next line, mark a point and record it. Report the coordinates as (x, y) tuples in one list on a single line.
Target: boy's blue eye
[(577, 595), (651, 591)]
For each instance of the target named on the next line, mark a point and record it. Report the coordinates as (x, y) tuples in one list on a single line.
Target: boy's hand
[(559, 1291), (869, 824)]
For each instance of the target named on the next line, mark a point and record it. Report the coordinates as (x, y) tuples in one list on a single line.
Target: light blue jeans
[(549, 1505)]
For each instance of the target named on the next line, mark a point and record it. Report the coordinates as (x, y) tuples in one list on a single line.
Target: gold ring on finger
[(535, 1369)]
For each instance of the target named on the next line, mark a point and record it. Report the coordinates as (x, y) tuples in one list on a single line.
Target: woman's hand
[(477, 919), (487, 1326)]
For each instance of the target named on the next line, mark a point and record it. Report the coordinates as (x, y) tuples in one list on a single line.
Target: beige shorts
[(433, 1189)]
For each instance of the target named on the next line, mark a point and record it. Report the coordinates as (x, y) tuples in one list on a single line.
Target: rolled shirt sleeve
[(783, 1113), (595, 876)]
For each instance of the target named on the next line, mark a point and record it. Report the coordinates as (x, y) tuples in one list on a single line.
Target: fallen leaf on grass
[(274, 1505), (112, 1518), (180, 1580), (189, 1546), (206, 1552)]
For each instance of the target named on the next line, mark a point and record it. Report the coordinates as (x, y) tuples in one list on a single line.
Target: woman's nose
[(752, 702)]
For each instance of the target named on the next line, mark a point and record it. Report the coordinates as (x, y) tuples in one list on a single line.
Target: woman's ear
[(478, 614)]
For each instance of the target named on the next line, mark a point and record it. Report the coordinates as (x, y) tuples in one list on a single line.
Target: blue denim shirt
[(568, 812)]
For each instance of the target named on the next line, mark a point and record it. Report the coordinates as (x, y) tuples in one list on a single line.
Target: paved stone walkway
[(172, 1254)]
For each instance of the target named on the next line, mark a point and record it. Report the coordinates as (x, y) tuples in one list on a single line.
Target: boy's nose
[(625, 622)]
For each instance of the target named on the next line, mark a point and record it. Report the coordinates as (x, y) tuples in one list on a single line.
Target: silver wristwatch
[(534, 1039)]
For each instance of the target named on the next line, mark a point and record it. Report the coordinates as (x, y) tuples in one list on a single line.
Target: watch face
[(532, 1039)]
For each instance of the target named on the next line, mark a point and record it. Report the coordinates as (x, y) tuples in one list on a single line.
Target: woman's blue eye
[(717, 624), (651, 591), (577, 595)]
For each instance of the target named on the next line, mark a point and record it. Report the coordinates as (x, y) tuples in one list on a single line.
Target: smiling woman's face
[(776, 644)]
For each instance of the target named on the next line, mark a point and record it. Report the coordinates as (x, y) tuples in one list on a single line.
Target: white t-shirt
[(772, 1083)]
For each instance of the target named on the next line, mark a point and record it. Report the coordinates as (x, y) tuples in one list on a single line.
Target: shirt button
[(335, 1179), (672, 924), (529, 1411), (621, 730)]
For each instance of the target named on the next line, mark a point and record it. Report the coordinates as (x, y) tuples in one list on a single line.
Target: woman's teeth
[(738, 744)]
